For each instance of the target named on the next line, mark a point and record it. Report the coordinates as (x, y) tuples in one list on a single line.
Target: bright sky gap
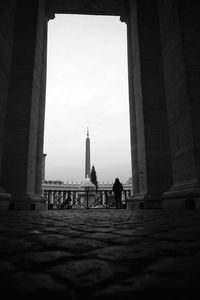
[(87, 87)]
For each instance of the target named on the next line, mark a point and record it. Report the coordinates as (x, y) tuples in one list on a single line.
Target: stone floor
[(100, 254)]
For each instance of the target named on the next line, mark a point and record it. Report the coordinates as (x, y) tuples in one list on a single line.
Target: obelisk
[(87, 156)]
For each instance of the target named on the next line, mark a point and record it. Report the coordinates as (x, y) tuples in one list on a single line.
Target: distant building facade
[(56, 192)]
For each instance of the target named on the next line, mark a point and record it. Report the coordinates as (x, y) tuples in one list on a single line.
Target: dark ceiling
[(91, 7)]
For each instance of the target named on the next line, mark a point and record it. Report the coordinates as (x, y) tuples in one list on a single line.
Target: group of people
[(117, 190)]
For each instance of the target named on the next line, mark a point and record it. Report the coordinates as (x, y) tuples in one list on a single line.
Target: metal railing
[(83, 199)]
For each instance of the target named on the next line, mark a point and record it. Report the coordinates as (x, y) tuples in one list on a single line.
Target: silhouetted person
[(117, 190)]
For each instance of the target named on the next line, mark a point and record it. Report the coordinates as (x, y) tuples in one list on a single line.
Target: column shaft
[(21, 126), (148, 110), (7, 20), (180, 31), (40, 157)]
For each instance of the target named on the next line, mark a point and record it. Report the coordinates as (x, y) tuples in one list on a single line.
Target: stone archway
[(163, 91)]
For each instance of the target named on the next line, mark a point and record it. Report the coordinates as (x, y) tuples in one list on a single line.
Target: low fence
[(83, 199)]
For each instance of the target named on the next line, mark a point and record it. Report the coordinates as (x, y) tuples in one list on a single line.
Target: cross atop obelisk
[(87, 156)]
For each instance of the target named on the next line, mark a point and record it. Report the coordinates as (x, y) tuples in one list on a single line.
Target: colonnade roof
[(92, 7)]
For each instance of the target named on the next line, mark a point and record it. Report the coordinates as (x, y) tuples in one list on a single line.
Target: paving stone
[(100, 254), (84, 272), (29, 282)]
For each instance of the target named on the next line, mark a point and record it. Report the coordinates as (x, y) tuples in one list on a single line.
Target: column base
[(4, 199), (144, 201), (28, 202), (183, 195)]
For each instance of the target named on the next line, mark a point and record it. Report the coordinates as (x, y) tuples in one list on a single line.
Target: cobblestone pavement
[(100, 254)]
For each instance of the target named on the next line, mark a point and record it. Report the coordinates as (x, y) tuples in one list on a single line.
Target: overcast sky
[(87, 86)]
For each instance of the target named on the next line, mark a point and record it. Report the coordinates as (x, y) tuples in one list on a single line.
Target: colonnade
[(164, 91)]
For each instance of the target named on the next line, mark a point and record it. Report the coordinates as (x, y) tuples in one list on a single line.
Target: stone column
[(21, 125), (75, 196), (69, 195), (40, 157), (55, 197), (63, 197), (104, 198), (7, 20), (148, 111), (100, 197), (51, 199), (180, 32)]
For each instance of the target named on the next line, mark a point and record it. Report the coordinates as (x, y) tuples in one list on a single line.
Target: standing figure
[(117, 190)]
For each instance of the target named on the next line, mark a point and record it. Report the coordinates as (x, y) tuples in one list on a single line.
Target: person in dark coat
[(117, 190)]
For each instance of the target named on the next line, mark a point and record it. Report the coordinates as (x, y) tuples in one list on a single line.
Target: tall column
[(21, 125), (40, 157), (148, 111), (7, 19), (180, 32)]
